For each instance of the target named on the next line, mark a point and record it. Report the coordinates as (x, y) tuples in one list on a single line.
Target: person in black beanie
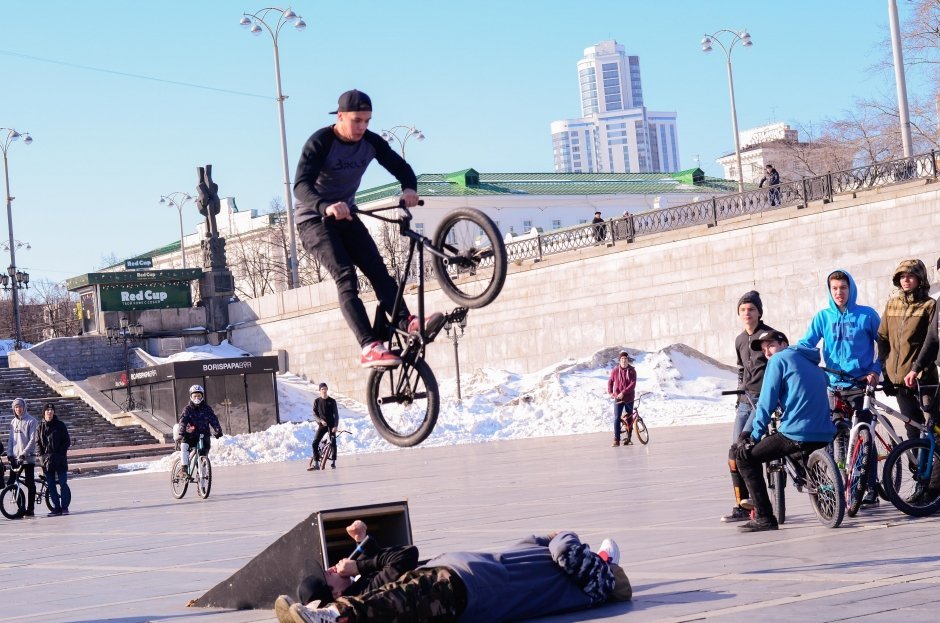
[(751, 366)]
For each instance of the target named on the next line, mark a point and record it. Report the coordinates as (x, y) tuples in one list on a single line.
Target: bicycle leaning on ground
[(468, 259), (327, 449), (13, 497), (815, 472), (199, 470), (633, 423)]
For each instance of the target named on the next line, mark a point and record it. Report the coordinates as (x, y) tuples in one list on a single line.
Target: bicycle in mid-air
[(633, 422), (468, 259), (814, 472), (13, 497), (199, 471)]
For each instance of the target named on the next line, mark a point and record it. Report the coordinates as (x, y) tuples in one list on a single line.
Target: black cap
[(314, 586), (767, 336), (324, 386), (353, 101)]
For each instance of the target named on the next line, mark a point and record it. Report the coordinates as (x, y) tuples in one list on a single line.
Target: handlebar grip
[(733, 392), (401, 203)]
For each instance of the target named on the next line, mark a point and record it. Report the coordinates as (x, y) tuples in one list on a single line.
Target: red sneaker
[(379, 357), (432, 324)]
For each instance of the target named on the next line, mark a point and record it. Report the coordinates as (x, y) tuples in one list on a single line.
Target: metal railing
[(709, 212)]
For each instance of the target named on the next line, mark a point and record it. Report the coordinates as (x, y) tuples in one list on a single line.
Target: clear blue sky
[(483, 80)]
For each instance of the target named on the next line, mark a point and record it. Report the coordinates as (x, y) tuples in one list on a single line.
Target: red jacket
[(622, 381)]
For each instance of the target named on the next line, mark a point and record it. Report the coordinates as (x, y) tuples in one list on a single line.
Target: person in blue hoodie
[(849, 332), (793, 381)]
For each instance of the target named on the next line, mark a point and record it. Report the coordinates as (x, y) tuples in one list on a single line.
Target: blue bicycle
[(911, 476)]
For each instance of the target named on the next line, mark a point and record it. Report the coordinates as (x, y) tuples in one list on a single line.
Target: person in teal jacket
[(849, 332), (793, 381)]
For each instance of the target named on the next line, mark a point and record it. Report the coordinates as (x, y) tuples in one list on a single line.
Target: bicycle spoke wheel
[(825, 488), (13, 501), (203, 477), (179, 480), (642, 433), (883, 446), (325, 455), (776, 482), (912, 478), (856, 472), (473, 269), (404, 402)]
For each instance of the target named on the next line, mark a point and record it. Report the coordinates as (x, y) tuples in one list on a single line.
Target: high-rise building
[(616, 132)]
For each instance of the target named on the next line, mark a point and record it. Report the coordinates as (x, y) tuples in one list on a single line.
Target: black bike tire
[(839, 448), (899, 455), (375, 386), (500, 262), (326, 453), (207, 470), (47, 498), (18, 496), (856, 472), (777, 481), (827, 498), (642, 433), (176, 488)]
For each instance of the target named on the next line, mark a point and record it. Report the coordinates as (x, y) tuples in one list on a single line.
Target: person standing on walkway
[(22, 450), (326, 414), (52, 445), (621, 386), (773, 183), (598, 222), (751, 366)]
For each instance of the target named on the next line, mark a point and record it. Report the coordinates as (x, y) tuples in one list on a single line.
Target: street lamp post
[(124, 333), (178, 199), (744, 38), (254, 22), (400, 134), (17, 278), (450, 327)]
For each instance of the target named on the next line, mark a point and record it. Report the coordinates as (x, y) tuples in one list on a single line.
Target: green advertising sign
[(155, 295)]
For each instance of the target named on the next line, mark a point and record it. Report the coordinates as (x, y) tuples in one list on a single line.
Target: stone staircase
[(94, 439)]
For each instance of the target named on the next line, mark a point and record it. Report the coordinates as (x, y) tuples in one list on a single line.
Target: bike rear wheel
[(825, 488), (884, 444), (179, 479), (404, 402), (642, 433), (13, 501), (776, 482), (203, 477), (473, 269), (856, 472), (912, 492)]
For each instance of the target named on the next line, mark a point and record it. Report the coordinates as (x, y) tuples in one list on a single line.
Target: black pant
[(772, 447), (29, 470), (321, 431), (909, 405), (341, 247)]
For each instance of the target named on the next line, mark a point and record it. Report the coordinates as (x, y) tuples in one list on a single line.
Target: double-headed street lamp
[(254, 22), (124, 333), (17, 278), (178, 199), (450, 327), (744, 38), (401, 134)]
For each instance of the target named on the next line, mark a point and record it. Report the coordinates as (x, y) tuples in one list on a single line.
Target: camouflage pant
[(425, 595)]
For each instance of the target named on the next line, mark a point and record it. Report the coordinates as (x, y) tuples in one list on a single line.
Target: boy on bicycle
[(849, 332), (330, 170), (195, 421), (327, 416)]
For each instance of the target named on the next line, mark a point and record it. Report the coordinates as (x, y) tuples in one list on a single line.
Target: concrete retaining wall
[(679, 286)]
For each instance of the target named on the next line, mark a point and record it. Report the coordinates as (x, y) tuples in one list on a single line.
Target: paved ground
[(131, 553)]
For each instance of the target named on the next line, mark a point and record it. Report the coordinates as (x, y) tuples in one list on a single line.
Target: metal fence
[(710, 211)]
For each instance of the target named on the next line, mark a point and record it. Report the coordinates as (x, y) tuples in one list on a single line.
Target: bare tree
[(52, 311)]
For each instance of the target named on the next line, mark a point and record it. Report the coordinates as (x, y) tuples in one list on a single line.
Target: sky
[(675, 387), (110, 93)]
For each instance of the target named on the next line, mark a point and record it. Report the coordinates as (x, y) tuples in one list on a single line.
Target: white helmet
[(197, 389)]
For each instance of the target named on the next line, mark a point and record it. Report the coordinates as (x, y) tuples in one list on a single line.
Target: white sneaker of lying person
[(303, 614), (609, 551)]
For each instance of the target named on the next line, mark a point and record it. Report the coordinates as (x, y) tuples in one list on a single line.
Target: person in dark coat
[(52, 445), (326, 414), (773, 183), (195, 421)]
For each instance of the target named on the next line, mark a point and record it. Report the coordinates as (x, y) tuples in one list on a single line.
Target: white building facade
[(616, 133)]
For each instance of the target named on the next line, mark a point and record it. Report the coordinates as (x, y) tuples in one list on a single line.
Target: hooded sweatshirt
[(848, 336), (793, 380), (904, 327), (23, 436)]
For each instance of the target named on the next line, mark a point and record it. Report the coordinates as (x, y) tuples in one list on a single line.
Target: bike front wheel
[(179, 479), (642, 433), (472, 270), (825, 488), (911, 478), (776, 482), (203, 477), (326, 454), (404, 402), (13, 501), (856, 472)]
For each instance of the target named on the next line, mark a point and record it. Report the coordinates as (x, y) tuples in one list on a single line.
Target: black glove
[(744, 437), (742, 450), (889, 388), (218, 434)]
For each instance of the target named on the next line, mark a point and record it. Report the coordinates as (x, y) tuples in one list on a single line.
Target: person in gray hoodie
[(22, 450)]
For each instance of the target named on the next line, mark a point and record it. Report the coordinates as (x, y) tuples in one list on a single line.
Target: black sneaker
[(871, 499), (760, 524), (737, 514)]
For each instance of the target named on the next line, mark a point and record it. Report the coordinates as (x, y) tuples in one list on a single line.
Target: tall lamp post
[(400, 134), (450, 327), (124, 333), (744, 38), (254, 22), (17, 278), (178, 199)]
